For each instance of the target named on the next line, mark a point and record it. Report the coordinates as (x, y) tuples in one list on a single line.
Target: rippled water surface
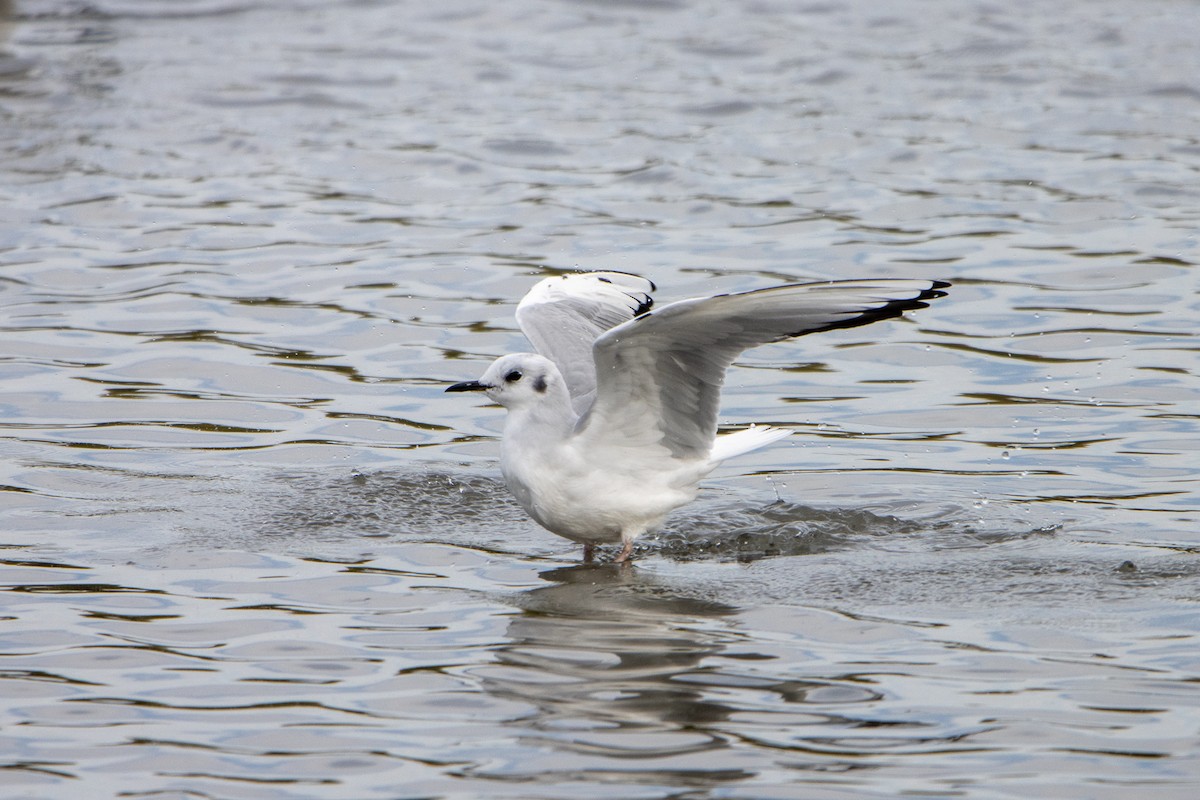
[(249, 549)]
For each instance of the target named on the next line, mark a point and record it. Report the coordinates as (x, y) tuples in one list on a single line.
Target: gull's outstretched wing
[(660, 375), (563, 316)]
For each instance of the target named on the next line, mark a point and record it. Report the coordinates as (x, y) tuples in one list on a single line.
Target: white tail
[(731, 445)]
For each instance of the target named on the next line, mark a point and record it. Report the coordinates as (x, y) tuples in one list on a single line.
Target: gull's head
[(515, 381)]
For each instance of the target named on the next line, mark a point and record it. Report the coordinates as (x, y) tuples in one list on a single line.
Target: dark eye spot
[(513, 376), (539, 384)]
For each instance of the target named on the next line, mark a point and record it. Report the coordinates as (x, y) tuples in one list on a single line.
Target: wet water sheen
[(249, 549)]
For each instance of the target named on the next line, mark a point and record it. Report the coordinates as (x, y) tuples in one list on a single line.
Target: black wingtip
[(653, 287), (644, 306), (889, 310), (602, 279), (644, 300)]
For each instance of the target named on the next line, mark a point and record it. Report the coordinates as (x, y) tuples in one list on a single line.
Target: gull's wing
[(660, 374), (563, 316)]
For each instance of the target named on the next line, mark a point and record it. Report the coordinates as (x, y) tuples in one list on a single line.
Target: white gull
[(613, 423)]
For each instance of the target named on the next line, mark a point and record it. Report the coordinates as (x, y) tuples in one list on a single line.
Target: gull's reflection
[(602, 650)]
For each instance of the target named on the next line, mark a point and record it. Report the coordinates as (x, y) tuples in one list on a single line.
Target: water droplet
[(1005, 455)]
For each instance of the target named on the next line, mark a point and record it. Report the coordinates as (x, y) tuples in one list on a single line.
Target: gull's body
[(613, 423)]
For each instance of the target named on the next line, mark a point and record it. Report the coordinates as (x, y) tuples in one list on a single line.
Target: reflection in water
[(631, 677), (598, 652)]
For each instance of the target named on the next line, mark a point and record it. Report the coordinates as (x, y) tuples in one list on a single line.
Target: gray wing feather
[(563, 316), (665, 368)]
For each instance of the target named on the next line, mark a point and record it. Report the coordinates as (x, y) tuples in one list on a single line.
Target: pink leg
[(626, 552)]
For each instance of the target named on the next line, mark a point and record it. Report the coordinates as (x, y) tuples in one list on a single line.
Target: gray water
[(251, 550)]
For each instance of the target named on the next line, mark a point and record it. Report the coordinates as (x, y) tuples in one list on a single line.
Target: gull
[(612, 423)]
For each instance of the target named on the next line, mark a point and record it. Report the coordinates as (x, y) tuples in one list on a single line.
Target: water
[(249, 549)]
